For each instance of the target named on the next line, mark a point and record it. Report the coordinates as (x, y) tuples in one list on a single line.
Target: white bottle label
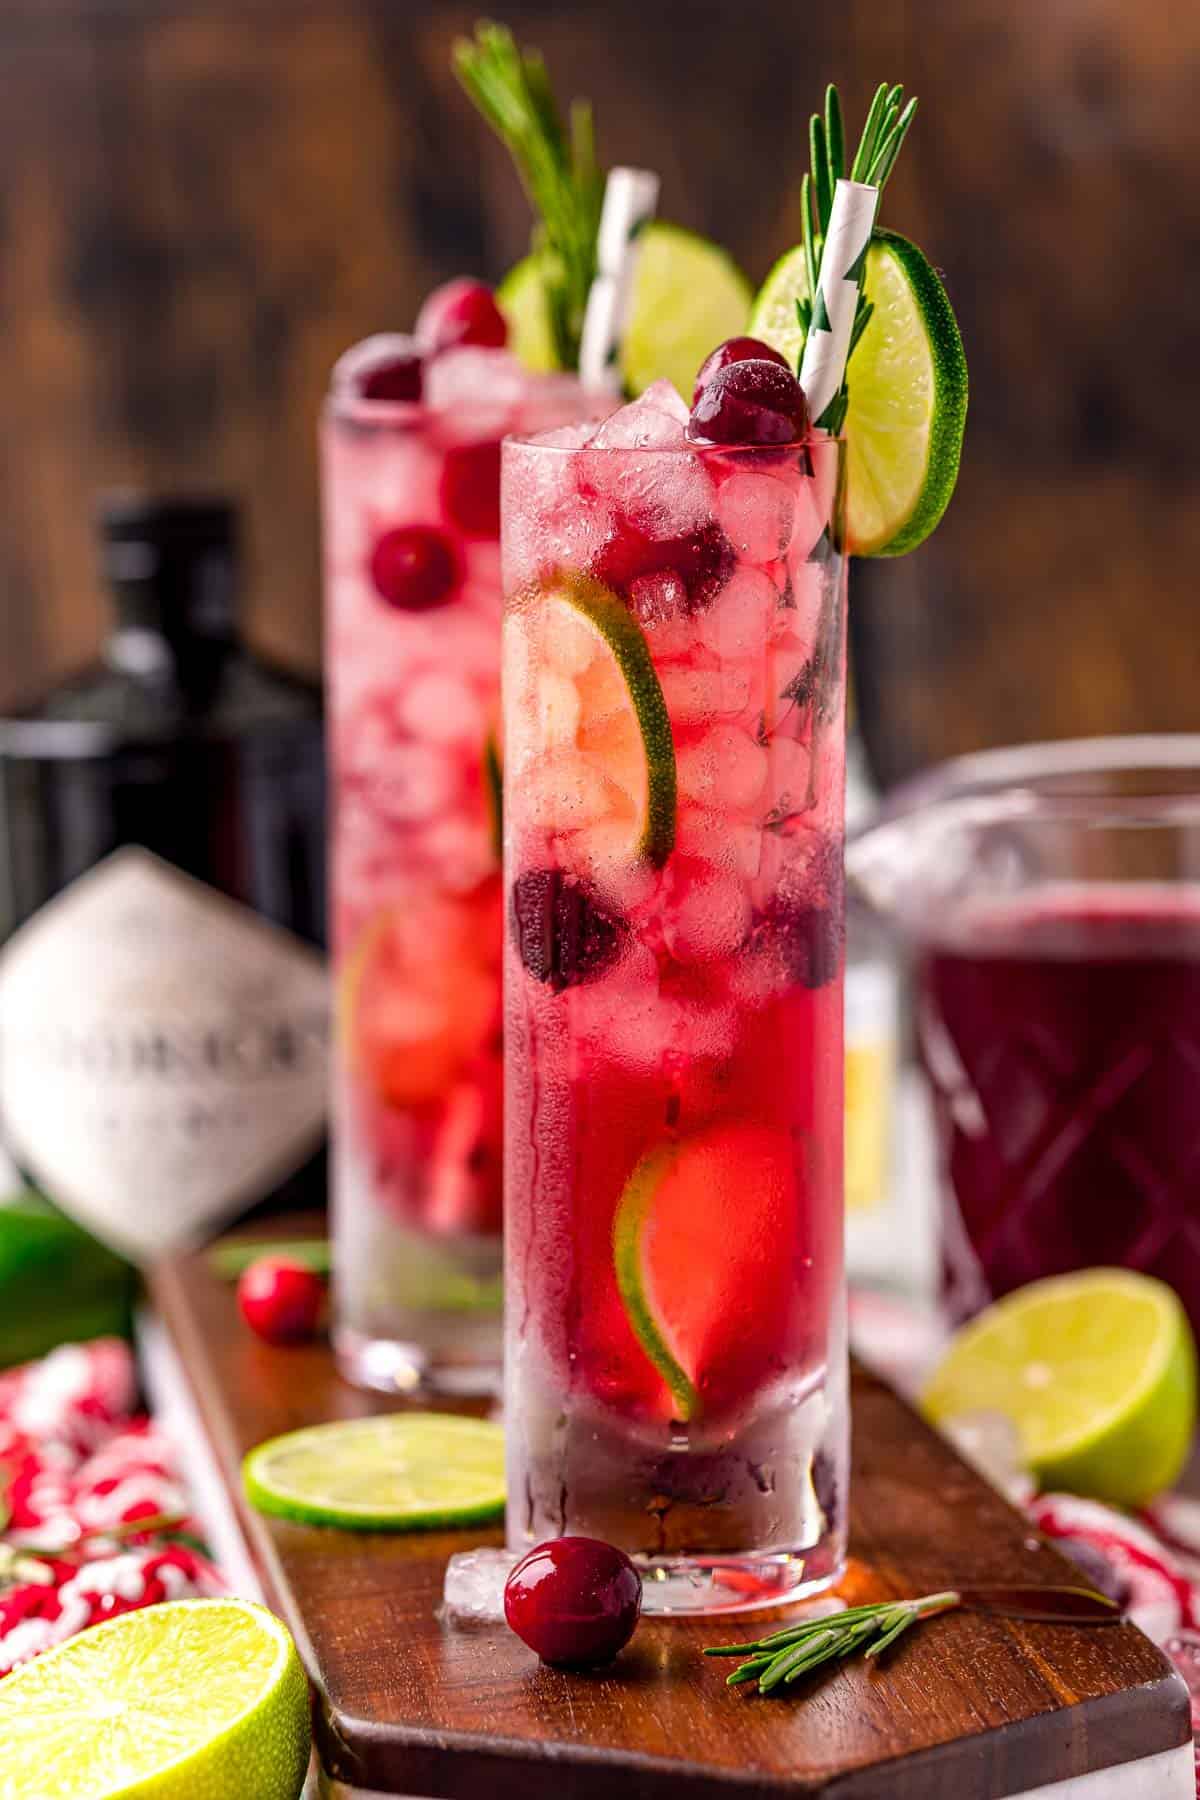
[(163, 1052)]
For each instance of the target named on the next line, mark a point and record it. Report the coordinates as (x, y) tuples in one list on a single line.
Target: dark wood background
[(203, 201)]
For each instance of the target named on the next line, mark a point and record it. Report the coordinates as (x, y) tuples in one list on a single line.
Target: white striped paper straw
[(630, 200), (827, 347)]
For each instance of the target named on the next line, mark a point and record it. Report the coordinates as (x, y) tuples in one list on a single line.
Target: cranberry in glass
[(400, 378), (280, 1299), (703, 559), (388, 366), (471, 488), (739, 349), (754, 402), (461, 312), (575, 1601), (413, 567)]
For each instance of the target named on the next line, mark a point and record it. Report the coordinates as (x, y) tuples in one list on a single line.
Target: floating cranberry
[(399, 378), (388, 366), (413, 567), (280, 1300), (738, 349), (807, 939), (754, 402), (575, 1601), (461, 312), (703, 559), (471, 488), (563, 934)]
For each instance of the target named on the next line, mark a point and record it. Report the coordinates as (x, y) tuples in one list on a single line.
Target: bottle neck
[(174, 611)]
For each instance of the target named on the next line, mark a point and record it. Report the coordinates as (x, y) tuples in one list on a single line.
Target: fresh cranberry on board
[(574, 1600), (280, 1300), (755, 402), (461, 312), (733, 350)]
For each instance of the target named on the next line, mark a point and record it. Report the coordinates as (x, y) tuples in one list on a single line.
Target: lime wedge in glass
[(189, 1700), (907, 381), (1097, 1371), (699, 1248), (688, 296), (401, 1472), (610, 780)]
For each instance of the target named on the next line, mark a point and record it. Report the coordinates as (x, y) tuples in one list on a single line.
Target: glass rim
[(1060, 779), (519, 440)]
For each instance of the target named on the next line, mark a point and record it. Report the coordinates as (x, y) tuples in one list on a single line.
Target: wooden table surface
[(965, 1709)]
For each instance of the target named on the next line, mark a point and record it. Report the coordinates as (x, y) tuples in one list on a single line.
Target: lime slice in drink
[(688, 296), (700, 1247), (621, 729), (401, 1472), (908, 392), (493, 786), (188, 1700), (1097, 1371)]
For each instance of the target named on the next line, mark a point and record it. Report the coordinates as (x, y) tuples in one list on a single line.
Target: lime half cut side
[(688, 297), (188, 1700), (1097, 1371), (401, 1472), (908, 392)]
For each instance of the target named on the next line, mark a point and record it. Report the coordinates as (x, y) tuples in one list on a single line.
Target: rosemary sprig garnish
[(784, 1656), (557, 167), (887, 124)]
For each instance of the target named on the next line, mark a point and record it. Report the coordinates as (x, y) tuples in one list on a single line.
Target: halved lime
[(700, 1246), (401, 1472), (1097, 1371), (623, 726), (908, 392), (688, 296), (188, 1700)]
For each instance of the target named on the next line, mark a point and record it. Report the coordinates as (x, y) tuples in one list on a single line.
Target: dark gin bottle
[(163, 1005)]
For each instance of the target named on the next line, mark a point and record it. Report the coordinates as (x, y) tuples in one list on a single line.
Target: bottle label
[(163, 1053)]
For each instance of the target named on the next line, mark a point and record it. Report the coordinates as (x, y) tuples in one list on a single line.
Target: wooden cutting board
[(965, 1709)]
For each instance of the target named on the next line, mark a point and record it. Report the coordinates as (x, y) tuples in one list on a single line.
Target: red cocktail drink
[(411, 490), (674, 773)]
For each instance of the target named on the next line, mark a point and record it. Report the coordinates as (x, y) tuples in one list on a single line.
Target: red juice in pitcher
[(1061, 1037)]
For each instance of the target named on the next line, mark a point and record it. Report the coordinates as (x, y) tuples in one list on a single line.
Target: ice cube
[(707, 919), (757, 512), (738, 624), (724, 769), (990, 1442), (642, 425), (441, 708), (702, 694), (473, 380), (473, 1591), (565, 437)]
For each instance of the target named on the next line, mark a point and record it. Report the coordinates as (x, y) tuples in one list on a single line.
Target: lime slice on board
[(188, 1700), (908, 392), (698, 1244), (623, 726), (688, 296), (1097, 1371), (400, 1472)]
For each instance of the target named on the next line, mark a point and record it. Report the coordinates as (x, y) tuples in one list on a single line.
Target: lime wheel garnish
[(907, 382)]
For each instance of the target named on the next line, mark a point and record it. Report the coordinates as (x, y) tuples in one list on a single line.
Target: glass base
[(398, 1367), (705, 1586)]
